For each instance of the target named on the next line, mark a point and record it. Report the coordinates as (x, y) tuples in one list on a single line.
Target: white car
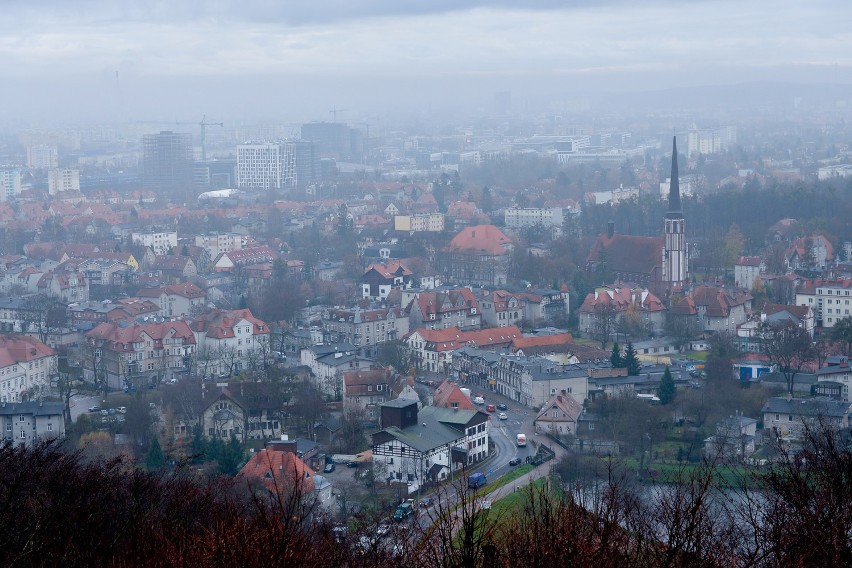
[(502, 416), (478, 400)]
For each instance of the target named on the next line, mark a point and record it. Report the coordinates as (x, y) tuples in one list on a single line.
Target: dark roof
[(627, 253), (806, 406)]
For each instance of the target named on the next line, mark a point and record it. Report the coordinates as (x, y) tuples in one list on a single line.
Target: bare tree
[(604, 319), (789, 347)]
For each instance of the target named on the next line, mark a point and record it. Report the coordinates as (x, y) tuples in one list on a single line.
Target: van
[(476, 481), (522, 440)]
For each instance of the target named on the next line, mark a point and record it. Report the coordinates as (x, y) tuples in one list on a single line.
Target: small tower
[(675, 268)]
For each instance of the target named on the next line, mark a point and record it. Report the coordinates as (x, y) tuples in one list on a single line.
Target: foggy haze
[(125, 61)]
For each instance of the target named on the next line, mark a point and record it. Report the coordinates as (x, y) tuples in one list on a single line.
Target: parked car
[(476, 480), (491, 408), (478, 400), (95, 408), (352, 463), (329, 467), (502, 416), (515, 461), (403, 511), (427, 502), (502, 406), (122, 409)]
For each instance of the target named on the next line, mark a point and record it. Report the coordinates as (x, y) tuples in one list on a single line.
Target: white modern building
[(520, 217), (160, 241), (63, 179), (10, 184), (266, 165)]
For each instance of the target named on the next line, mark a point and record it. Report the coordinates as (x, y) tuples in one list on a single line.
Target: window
[(777, 418), (23, 434), (49, 427)]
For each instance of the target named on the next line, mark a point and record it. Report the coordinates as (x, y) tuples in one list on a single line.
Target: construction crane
[(204, 124), (333, 112)]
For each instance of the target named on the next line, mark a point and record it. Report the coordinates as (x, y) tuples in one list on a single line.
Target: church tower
[(674, 249)]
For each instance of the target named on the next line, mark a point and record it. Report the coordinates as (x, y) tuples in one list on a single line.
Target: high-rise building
[(63, 179), (167, 162), (674, 246), (10, 184), (277, 165), (335, 140), (42, 157)]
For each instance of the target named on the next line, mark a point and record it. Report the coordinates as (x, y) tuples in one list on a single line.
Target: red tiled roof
[(122, 337), (626, 253), (20, 349), (447, 393), (220, 324), (542, 341), (389, 270), (749, 261), (564, 402), (279, 471), (622, 298), (481, 238)]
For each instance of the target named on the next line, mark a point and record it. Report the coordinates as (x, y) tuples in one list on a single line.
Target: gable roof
[(627, 253), (567, 407), (279, 471), (448, 394)]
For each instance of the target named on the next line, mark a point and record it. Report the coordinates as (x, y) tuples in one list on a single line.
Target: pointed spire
[(674, 188)]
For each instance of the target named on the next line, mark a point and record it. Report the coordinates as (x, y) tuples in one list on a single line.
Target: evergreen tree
[(156, 459), (667, 387), (198, 445), (631, 360), (615, 358), (230, 457)]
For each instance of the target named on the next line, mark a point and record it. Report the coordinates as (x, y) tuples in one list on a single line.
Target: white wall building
[(10, 184), (266, 165), (26, 368), (160, 241), (217, 243), (63, 179), (520, 217)]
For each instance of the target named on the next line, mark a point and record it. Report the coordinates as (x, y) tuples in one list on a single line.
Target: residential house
[(279, 471), (174, 268), (234, 259), (365, 391), (500, 308), (29, 423), (245, 410), (833, 379), (176, 299), (787, 418), (558, 417), (379, 279), (121, 354), (715, 309), (620, 302), (160, 241), (328, 362), (814, 252), (747, 270), (829, 300), (230, 341), (432, 349), (734, 439), (70, 286), (418, 447), (545, 305), (27, 367), (365, 328), (448, 395), (443, 309)]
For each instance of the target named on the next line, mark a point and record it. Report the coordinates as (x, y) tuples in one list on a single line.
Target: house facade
[(30, 423), (230, 341), (418, 447), (27, 367)]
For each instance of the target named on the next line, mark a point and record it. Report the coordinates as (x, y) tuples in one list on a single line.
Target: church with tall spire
[(657, 263), (675, 268)]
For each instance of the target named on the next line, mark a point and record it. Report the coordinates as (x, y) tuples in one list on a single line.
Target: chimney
[(610, 229)]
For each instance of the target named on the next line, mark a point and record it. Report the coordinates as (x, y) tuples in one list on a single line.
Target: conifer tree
[(667, 389), (631, 360)]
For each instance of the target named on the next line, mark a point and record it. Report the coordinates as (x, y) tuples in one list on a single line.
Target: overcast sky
[(324, 52)]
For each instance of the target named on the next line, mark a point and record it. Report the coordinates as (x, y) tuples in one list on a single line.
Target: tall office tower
[(306, 163), (167, 163), (42, 157), (63, 179), (335, 140)]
